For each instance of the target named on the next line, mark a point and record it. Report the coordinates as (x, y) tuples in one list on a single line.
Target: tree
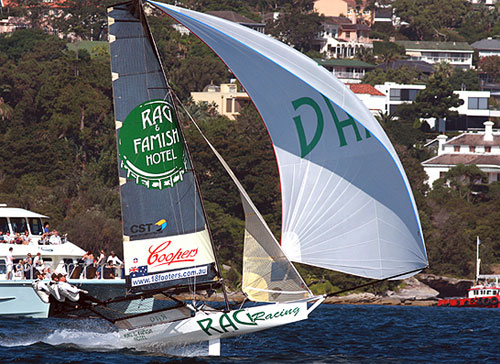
[(427, 17), (388, 51), (491, 66), (366, 55), (437, 98), (465, 80), (296, 28), (402, 75), (462, 178)]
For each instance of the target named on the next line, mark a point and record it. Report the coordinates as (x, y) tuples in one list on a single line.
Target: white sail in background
[(347, 204)]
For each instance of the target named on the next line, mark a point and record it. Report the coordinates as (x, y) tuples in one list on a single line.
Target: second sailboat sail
[(166, 240)]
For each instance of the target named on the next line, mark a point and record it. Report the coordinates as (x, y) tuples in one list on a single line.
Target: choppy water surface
[(333, 334)]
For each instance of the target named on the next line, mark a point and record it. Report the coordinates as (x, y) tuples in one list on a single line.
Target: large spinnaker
[(165, 238), (347, 204)]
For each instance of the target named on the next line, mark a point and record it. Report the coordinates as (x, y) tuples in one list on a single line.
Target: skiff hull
[(212, 326)]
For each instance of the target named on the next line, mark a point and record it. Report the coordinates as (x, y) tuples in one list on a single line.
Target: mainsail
[(165, 236), (347, 203)]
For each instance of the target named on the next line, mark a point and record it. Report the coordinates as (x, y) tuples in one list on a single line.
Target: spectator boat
[(17, 296), (485, 293)]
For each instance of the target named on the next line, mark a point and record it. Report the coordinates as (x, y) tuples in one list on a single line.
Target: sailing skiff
[(346, 201)]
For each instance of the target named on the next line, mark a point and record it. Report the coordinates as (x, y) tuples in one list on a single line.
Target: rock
[(447, 287), (353, 298), (413, 289), (388, 301)]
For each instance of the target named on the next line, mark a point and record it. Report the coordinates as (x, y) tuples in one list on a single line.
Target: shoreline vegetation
[(422, 290)]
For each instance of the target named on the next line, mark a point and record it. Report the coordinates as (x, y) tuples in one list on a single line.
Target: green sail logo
[(150, 146)]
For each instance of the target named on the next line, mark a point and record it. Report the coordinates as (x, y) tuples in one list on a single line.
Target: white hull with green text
[(212, 326)]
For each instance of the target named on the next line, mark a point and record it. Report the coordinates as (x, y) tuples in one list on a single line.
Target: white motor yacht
[(17, 295)]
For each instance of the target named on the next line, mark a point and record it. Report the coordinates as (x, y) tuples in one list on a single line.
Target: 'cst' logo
[(148, 227)]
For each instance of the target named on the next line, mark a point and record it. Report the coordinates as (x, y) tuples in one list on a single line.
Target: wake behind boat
[(346, 201)]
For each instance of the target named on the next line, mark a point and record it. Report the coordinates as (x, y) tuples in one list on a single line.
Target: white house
[(487, 47), (373, 99), (346, 70), (471, 114), (458, 54), (479, 148)]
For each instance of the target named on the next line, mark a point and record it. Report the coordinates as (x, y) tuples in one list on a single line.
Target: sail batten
[(333, 156)]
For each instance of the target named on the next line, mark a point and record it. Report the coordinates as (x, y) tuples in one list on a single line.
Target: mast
[(166, 239), (478, 261), (198, 189)]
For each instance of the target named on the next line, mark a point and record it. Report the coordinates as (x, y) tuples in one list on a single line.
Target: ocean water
[(332, 334)]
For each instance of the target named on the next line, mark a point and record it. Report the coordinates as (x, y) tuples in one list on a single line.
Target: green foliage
[(427, 17), (491, 66), (322, 288), (388, 51), (402, 75), (468, 80), (59, 147), (296, 27), (437, 98)]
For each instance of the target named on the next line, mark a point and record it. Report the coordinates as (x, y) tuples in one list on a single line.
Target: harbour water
[(333, 334)]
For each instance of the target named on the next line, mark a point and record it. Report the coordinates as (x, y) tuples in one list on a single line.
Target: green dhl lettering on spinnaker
[(226, 322), (305, 147)]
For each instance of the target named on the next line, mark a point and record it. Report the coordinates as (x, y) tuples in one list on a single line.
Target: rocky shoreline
[(421, 290)]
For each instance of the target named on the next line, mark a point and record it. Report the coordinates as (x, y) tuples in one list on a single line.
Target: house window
[(456, 148), (487, 149), (348, 34), (472, 149), (478, 103), (395, 94), (441, 174), (229, 105)]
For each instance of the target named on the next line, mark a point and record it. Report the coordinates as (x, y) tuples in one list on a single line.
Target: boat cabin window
[(19, 224), (35, 225), (4, 225), (3, 268)]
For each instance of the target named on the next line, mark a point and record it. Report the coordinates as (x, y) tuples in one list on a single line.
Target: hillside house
[(479, 148), (458, 54), (226, 97)]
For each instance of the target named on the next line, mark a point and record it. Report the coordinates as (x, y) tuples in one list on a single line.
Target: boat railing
[(72, 270), (35, 240)]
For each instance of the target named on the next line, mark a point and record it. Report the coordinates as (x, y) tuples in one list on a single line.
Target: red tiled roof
[(363, 88), (474, 139), (454, 159)]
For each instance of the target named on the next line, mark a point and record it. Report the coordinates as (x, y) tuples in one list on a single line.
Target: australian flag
[(140, 271)]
